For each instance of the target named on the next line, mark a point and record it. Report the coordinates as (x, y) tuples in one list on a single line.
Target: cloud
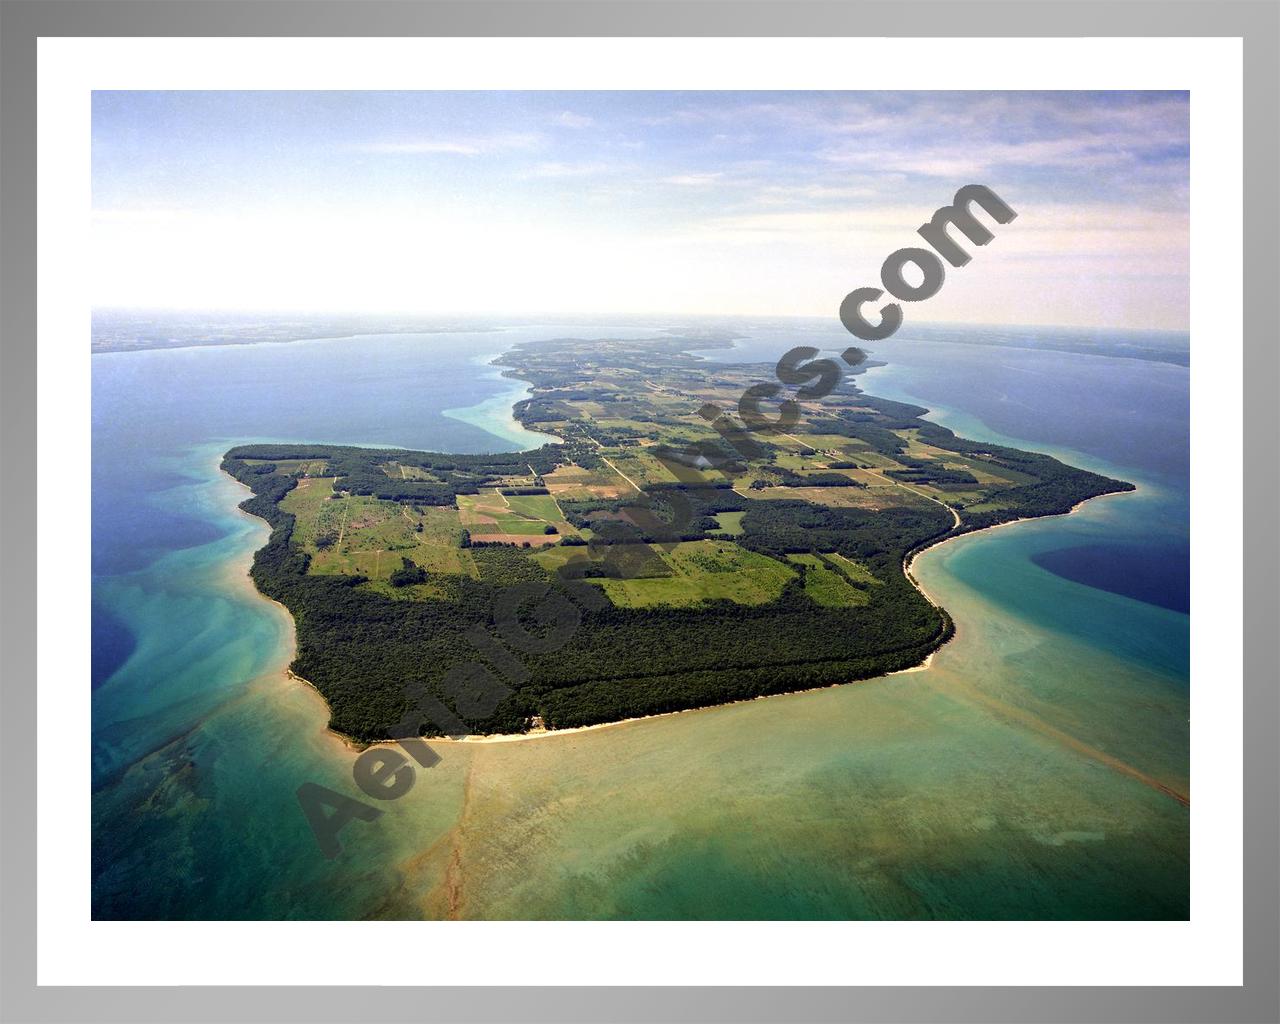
[(679, 117), (682, 201), (944, 137), (1125, 234), (554, 169), (139, 215), (975, 158), (780, 195), (568, 119), (699, 179), (473, 146)]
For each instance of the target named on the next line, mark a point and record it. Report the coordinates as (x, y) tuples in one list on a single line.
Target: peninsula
[(786, 571)]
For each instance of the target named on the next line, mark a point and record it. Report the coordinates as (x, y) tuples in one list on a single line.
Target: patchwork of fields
[(704, 566), (360, 535), (496, 518), (704, 570)]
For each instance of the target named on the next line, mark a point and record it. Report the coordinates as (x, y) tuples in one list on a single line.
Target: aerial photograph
[(717, 506)]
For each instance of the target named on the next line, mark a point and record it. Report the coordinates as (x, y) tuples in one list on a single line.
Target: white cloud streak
[(568, 119), (471, 146)]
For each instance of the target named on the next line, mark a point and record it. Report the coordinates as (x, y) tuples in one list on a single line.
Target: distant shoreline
[(110, 349)]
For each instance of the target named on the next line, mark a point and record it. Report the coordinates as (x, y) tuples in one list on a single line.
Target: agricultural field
[(552, 558), (800, 459), (769, 587), (573, 483), (730, 522), (361, 535), (638, 467), (316, 512), (398, 471), (704, 570), (880, 497), (293, 467), (830, 442), (494, 517), (827, 583), (856, 571)]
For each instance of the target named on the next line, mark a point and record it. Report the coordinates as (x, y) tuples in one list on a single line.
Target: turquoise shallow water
[(1018, 776)]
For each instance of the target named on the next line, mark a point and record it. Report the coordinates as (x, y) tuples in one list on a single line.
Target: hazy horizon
[(717, 204), (551, 316)]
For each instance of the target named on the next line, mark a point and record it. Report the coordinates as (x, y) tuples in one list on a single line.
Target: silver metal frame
[(23, 21)]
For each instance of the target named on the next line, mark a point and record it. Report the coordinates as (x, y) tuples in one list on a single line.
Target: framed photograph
[(590, 512)]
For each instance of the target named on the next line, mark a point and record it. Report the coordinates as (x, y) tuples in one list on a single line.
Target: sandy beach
[(242, 579)]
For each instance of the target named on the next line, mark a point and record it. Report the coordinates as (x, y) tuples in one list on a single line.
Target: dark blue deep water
[(1149, 574)]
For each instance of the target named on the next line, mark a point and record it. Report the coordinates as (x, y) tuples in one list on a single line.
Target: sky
[(722, 203)]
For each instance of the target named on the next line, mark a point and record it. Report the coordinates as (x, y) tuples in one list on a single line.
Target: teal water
[(1016, 777)]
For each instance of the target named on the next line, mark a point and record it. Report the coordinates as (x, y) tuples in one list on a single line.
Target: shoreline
[(510, 425), (513, 737), (245, 581), (952, 536), (292, 341), (352, 744), (356, 746), (242, 580)]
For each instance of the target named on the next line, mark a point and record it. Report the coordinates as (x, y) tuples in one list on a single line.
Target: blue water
[(165, 528), (1123, 417), (1126, 569), (151, 408), (196, 746), (162, 419)]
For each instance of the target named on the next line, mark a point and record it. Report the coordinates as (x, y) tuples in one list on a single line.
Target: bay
[(1022, 774)]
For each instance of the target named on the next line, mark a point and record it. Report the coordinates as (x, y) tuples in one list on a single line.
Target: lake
[(1024, 774)]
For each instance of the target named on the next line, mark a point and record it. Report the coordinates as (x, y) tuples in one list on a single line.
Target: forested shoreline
[(365, 649)]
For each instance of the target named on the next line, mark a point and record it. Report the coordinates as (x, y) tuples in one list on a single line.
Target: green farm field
[(827, 584), (497, 515), (704, 570), (371, 537), (798, 544)]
